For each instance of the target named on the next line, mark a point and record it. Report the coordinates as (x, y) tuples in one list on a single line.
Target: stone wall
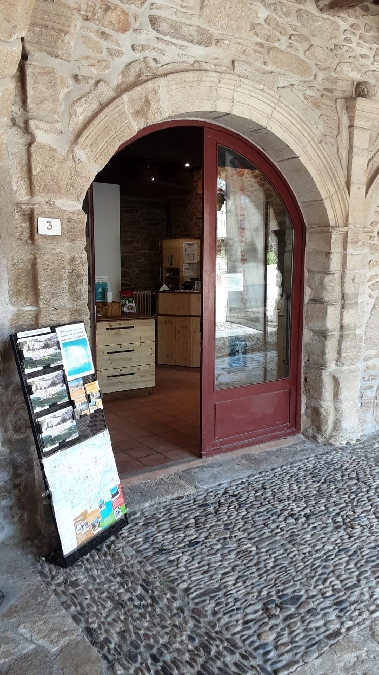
[(143, 226), (281, 73), (145, 222)]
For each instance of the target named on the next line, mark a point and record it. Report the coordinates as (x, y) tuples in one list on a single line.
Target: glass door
[(253, 247)]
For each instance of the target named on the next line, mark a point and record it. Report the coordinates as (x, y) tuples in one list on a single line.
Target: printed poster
[(57, 427), (47, 390), (40, 351), (86, 491), (76, 352)]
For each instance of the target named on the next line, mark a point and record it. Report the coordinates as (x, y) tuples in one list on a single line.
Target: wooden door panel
[(252, 413)]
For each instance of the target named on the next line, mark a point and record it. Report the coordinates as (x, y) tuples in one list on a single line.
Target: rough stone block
[(14, 18), (22, 279), (105, 134), (317, 261), (80, 657), (145, 104), (44, 94), (52, 271), (178, 30), (318, 384), (315, 25), (52, 30), (289, 63), (192, 88), (225, 15), (322, 316), (136, 72), (6, 98), (85, 106), (78, 278), (23, 319), (52, 634), (321, 350), (105, 14), (49, 168), (9, 59), (324, 287)]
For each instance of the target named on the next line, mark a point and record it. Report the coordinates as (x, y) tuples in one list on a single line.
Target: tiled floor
[(149, 431)]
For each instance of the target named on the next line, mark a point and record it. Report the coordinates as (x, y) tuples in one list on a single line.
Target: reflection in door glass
[(253, 276)]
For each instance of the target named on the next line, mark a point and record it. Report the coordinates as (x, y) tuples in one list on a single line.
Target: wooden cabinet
[(179, 337), (125, 354), (174, 264)]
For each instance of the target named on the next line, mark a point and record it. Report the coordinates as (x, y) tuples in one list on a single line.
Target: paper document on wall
[(190, 252)]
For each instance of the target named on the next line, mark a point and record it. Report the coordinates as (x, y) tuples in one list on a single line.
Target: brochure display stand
[(73, 443)]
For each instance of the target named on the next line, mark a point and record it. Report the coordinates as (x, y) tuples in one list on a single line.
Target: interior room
[(145, 233)]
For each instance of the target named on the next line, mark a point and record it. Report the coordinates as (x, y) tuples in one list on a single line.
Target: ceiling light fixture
[(187, 164)]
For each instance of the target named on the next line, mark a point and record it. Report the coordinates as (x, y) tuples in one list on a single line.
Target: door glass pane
[(253, 276)]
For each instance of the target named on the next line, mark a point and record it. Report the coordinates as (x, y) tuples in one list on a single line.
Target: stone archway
[(287, 139)]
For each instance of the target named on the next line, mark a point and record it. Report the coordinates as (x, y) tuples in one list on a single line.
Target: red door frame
[(213, 136), (210, 445)]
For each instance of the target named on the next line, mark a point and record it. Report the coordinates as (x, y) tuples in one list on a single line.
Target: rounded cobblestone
[(283, 563)]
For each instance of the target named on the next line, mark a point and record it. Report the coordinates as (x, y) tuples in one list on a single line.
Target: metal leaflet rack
[(88, 427)]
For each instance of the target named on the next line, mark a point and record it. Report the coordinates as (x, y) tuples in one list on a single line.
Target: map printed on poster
[(86, 490), (76, 352)]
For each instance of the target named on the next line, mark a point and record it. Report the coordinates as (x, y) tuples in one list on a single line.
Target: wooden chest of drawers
[(125, 354)]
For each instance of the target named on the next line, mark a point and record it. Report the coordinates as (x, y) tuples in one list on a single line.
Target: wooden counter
[(125, 353), (179, 337)]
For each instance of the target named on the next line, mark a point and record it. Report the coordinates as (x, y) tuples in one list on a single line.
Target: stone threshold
[(171, 468)]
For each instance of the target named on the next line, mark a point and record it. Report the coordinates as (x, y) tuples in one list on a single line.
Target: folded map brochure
[(94, 395)]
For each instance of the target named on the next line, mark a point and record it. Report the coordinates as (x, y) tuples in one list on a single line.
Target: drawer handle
[(121, 375), (120, 328), (121, 351)]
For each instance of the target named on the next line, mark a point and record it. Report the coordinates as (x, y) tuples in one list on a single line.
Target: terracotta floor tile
[(180, 453), (178, 425), (126, 466), (142, 451), (135, 432), (194, 432), (165, 447), (154, 460), (152, 440), (179, 439), (126, 444)]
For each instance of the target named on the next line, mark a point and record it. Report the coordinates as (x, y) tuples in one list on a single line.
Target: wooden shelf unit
[(179, 336), (125, 354)]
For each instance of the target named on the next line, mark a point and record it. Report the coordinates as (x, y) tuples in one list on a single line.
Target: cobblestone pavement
[(243, 571)]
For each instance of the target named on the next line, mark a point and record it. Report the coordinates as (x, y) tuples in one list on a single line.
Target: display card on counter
[(65, 407)]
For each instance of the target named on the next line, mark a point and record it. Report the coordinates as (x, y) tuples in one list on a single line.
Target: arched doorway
[(252, 260)]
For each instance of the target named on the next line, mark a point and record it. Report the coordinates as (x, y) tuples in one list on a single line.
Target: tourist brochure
[(86, 490), (47, 390), (76, 352), (57, 427), (94, 395), (39, 351), (78, 397)]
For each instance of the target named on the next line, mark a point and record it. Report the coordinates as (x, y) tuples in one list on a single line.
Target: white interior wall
[(106, 207)]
